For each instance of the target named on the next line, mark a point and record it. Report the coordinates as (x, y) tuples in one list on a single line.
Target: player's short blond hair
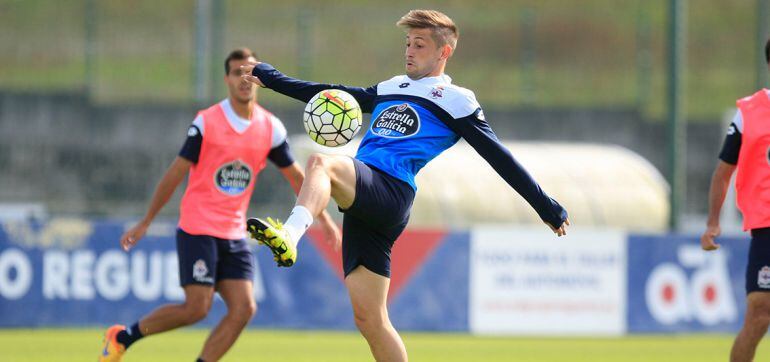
[(444, 29)]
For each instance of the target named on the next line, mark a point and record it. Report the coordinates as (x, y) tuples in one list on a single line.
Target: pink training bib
[(752, 182), (221, 183)]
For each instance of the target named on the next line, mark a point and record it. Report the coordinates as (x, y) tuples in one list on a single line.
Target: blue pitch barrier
[(72, 273)]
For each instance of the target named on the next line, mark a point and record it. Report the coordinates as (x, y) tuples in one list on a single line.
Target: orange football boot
[(112, 350)]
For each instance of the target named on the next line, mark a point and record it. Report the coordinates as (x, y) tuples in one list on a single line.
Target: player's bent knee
[(758, 313), (317, 160), (245, 310), (760, 319), (196, 311), (367, 318), (329, 163)]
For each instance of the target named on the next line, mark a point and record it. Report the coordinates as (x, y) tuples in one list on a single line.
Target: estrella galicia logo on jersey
[(396, 121), (233, 178)]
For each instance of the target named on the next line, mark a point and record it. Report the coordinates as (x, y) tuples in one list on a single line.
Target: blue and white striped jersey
[(413, 121)]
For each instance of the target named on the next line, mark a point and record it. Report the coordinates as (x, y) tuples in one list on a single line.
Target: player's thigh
[(342, 173), (198, 297), (238, 295), (368, 293)]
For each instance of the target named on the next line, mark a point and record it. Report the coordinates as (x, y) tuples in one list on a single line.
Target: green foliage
[(589, 53)]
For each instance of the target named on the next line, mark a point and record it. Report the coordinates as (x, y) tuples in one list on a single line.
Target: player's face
[(239, 89), (424, 58)]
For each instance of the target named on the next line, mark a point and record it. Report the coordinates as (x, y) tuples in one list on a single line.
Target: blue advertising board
[(72, 273), (674, 286)]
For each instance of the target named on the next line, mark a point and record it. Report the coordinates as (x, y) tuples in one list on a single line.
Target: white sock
[(299, 220)]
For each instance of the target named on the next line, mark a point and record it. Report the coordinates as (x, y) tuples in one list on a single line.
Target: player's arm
[(174, 175), (720, 182), (476, 131), (267, 76), (163, 192)]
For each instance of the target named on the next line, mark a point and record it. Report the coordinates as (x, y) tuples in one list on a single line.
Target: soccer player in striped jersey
[(415, 117)]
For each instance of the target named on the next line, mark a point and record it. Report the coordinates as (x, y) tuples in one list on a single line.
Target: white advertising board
[(529, 282)]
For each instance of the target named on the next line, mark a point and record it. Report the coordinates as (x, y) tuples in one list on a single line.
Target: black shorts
[(206, 259), (377, 217), (758, 269)]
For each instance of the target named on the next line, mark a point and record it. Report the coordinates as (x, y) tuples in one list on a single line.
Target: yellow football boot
[(272, 234)]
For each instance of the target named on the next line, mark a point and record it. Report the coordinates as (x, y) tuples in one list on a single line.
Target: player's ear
[(447, 51)]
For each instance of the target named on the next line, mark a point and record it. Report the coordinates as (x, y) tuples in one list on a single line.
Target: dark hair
[(238, 54), (767, 52)]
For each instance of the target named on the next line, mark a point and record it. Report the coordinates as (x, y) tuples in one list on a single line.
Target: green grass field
[(271, 345)]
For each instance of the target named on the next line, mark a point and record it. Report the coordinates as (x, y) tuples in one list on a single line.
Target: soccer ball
[(332, 118)]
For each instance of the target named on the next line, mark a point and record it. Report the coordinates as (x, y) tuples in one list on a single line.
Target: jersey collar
[(441, 79)]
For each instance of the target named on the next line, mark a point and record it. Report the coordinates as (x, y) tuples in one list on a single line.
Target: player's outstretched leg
[(754, 328), (326, 177), (368, 295), (197, 303)]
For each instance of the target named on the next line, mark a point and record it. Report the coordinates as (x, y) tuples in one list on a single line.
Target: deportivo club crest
[(396, 121), (200, 272), (763, 279), (437, 92), (233, 178)]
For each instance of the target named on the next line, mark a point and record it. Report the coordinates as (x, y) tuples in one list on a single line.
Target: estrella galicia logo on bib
[(397, 121), (233, 178)]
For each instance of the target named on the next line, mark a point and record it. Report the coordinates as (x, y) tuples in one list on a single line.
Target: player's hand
[(132, 236), (332, 234), (246, 74), (707, 239), (561, 230)]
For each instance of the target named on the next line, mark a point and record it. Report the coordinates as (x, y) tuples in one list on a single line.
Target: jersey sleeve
[(279, 132), (281, 155), (280, 152), (191, 148), (303, 90), (476, 131), (731, 147)]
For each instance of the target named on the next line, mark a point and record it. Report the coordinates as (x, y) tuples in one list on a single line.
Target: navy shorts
[(758, 269), (377, 217), (206, 260)]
